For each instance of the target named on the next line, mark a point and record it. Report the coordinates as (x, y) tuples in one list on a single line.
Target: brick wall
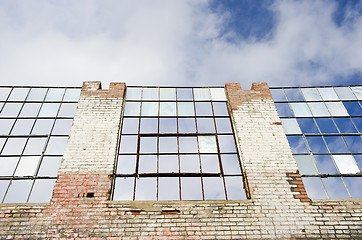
[(278, 208)]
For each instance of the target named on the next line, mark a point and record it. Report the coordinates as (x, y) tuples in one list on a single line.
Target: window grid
[(32, 140), (327, 145)]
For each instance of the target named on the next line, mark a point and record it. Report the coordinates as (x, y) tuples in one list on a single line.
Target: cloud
[(172, 43)]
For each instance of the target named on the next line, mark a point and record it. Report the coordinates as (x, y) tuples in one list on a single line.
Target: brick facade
[(278, 206)]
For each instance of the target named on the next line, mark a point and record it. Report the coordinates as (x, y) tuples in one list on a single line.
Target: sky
[(180, 42)]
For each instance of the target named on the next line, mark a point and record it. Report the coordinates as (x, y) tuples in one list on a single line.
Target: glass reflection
[(71, 95), (35, 146), (123, 189), (185, 109), (358, 92), (358, 122), (146, 189), (214, 188), (147, 164), (189, 164), (297, 144), (290, 126), (311, 94), (168, 163), (336, 144), (67, 110), (167, 109), (354, 143), (203, 109), (62, 126), (325, 164), (220, 109), (344, 93), (148, 145), (346, 164), (49, 109), (358, 159), (30, 110), (328, 93), (149, 109), (318, 109), (316, 144), (207, 144), (18, 94), (353, 108), (326, 125), (217, 94), (18, 191), (226, 143), (168, 125), (300, 110), (314, 188), (132, 109), (278, 95), (184, 94), (191, 188), (133, 93), (230, 164), (167, 93), (5, 126), (4, 93), (14, 146), (55, 94), (126, 164), (235, 188), (56, 145), (205, 125), (201, 94), (8, 165), (345, 125), (3, 187), (149, 125), (11, 110), (210, 163), (150, 94), (293, 94), (223, 125), (42, 191), (49, 166), (187, 145), (283, 110), (305, 164), (168, 188), (186, 125), (130, 125), (42, 127), (354, 185), (336, 109), (37, 94), (335, 187), (168, 144)]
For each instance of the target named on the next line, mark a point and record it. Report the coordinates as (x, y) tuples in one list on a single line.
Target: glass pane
[(168, 163), (305, 164), (205, 125), (56, 145), (235, 188), (150, 94), (49, 110), (354, 143), (278, 95), (184, 94), (346, 164), (4, 93), (201, 94), (149, 109), (62, 126), (49, 166), (336, 144), (189, 164), (30, 110), (186, 125), (146, 189), (2, 142), (311, 94), (132, 109), (335, 187), (300, 109), (168, 188), (214, 188), (345, 125), (325, 164), (35, 146), (147, 164), (223, 125), (191, 188), (55, 94), (42, 127), (358, 122), (168, 125), (210, 163), (133, 93), (337, 109), (220, 109), (283, 110), (37, 94), (316, 144), (354, 185), (123, 189), (314, 188), (217, 94), (128, 144), (230, 164), (328, 93), (318, 109), (290, 126), (353, 108), (307, 125), (3, 187), (148, 145), (188, 144), (167, 93), (126, 164), (18, 191), (185, 109), (203, 109), (5, 126), (358, 92), (11, 110), (14, 146), (297, 144), (149, 125), (226, 143), (294, 94), (326, 125), (71, 95), (130, 125), (67, 110), (18, 94), (168, 145), (344, 93), (207, 144), (168, 109), (8, 165), (42, 191), (358, 159)]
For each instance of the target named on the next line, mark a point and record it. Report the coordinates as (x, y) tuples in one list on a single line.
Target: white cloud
[(164, 42)]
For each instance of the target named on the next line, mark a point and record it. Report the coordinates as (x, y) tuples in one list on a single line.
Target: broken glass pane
[(42, 127), (128, 144), (167, 109), (18, 191), (130, 125), (62, 127), (230, 164), (203, 109), (217, 94), (305, 164), (210, 163), (335, 187), (191, 188), (18, 94), (290, 126), (35, 146), (126, 164), (71, 95), (148, 145), (49, 110), (344, 93), (49, 166), (314, 188), (168, 164), (123, 189), (67, 110), (8, 165), (214, 188), (235, 188), (150, 94), (42, 191), (22, 127), (185, 109), (30, 110), (149, 125), (167, 93), (188, 144), (201, 94), (226, 143), (11, 110), (189, 164), (147, 164), (36, 94), (149, 109), (311, 94), (186, 125), (205, 125), (168, 188), (132, 109), (207, 144), (184, 94), (220, 109), (14, 146), (346, 164), (55, 94), (325, 164), (168, 144), (146, 189), (133, 93), (168, 125), (56, 145)]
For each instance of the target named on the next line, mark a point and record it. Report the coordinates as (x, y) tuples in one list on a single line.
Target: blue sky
[(180, 43)]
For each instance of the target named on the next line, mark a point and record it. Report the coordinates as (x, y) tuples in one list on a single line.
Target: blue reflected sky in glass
[(316, 144), (297, 144), (278, 95), (284, 110), (335, 187), (336, 144), (357, 91), (354, 143), (305, 164), (214, 188), (353, 108), (168, 125), (345, 125), (325, 164), (314, 188), (149, 125), (346, 164), (326, 125), (354, 185), (358, 122), (186, 125), (358, 159), (307, 125), (294, 94)]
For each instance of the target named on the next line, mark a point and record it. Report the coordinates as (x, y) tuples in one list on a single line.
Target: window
[(34, 127), (177, 144), (323, 127)]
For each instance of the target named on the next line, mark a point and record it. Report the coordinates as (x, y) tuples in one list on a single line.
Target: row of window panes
[(181, 144), (22, 191), (173, 94), (35, 126), (322, 125), (176, 109), (39, 94), (183, 163), (174, 125), (333, 187), (328, 164), (325, 144), (168, 188), (38, 110), (319, 109), (317, 94), (33, 146)]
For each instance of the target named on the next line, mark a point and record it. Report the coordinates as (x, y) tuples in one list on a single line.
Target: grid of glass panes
[(177, 144), (34, 127), (324, 130)]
